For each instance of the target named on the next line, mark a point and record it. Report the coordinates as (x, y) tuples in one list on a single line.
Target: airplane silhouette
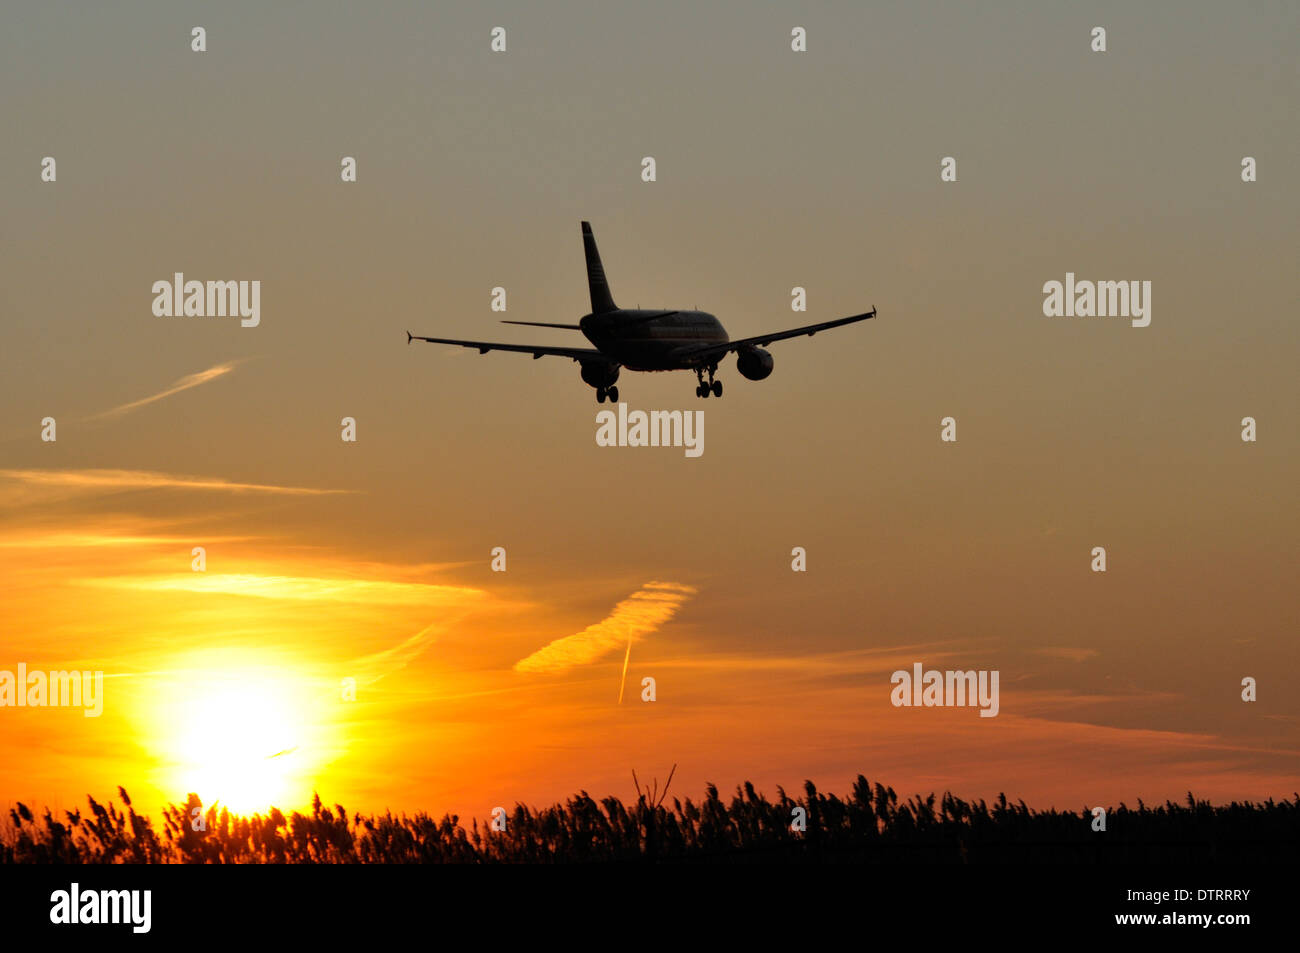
[(643, 340)]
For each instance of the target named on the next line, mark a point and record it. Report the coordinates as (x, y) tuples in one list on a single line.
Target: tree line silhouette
[(870, 825)]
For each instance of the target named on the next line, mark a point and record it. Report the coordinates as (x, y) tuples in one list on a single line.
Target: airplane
[(644, 340)]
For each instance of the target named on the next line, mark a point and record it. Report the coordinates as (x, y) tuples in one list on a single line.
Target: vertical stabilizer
[(601, 299)]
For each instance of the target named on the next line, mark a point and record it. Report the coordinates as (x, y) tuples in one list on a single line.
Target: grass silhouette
[(870, 825)]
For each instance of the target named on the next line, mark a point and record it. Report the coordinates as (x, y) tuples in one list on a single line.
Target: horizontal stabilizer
[(544, 324)]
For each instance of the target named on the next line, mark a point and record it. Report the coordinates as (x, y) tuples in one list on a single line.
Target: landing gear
[(607, 392), (711, 387)]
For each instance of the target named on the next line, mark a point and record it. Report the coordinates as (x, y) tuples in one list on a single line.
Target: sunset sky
[(329, 560)]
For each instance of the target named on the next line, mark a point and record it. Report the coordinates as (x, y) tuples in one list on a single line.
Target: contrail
[(627, 655), (185, 383), (640, 614)]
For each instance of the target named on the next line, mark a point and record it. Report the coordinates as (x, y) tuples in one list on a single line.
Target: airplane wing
[(718, 350), (536, 350)]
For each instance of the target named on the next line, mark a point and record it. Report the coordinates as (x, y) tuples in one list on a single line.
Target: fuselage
[(652, 340)]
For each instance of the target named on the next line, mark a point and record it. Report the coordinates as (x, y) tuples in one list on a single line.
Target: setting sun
[(239, 737)]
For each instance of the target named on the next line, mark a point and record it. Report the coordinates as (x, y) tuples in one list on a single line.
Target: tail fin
[(601, 300)]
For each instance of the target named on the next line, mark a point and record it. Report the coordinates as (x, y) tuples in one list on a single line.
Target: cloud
[(185, 383), (54, 540), (147, 480), (834, 665), (312, 588), (1067, 653), (375, 666), (641, 613)]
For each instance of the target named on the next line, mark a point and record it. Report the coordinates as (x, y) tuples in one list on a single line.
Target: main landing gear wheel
[(600, 395), (712, 387), (612, 394), (702, 389)]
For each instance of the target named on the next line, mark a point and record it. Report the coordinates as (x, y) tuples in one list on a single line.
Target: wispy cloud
[(638, 615), (371, 668), (319, 589), (146, 479), (56, 540), (185, 383), (1067, 653), (830, 664)]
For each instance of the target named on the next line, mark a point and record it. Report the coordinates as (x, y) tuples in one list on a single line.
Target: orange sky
[(211, 674), (371, 560)]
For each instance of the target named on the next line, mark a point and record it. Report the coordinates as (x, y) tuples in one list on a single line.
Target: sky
[(371, 560)]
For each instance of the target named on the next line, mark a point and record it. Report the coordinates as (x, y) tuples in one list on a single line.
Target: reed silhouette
[(870, 825)]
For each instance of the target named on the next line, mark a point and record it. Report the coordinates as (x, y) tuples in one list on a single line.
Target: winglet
[(408, 337)]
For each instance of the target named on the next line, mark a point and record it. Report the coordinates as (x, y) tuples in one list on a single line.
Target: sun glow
[(242, 737)]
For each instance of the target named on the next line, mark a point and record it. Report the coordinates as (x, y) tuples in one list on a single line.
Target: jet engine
[(599, 373), (754, 363)]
